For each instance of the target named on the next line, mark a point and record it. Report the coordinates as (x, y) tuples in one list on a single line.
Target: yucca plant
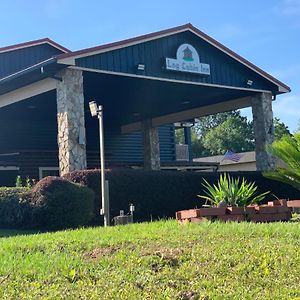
[(231, 192), (286, 149)]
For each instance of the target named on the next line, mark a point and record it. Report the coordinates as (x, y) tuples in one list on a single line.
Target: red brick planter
[(230, 218), (235, 210), (212, 211), (265, 209), (278, 210), (293, 203)]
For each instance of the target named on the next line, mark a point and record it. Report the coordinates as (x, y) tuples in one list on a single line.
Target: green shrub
[(15, 210), (231, 191), (58, 203)]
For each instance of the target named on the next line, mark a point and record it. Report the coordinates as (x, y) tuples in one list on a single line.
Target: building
[(246, 162), (145, 84)]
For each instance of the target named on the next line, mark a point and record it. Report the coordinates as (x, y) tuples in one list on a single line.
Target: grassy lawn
[(160, 260)]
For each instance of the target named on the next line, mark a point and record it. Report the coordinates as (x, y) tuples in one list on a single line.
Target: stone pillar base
[(70, 120), (151, 146), (263, 130)]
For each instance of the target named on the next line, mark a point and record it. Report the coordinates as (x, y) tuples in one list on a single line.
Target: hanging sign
[(187, 60)]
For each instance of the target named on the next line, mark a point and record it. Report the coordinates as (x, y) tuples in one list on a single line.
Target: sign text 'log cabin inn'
[(187, 60)]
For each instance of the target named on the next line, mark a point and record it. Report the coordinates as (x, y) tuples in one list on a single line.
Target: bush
[(58, 203), (158, 194), (15, 210)]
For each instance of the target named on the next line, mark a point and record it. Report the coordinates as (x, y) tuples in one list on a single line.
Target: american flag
[(229, 155)]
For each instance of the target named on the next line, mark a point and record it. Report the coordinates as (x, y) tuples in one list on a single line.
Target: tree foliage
[(287, 149), (234, 134), (215, 134), (280, 129)]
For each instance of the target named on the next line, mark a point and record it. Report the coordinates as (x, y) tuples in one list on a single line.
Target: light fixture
[(93, 108), (98, 111), (141, 67), (185, 102), (184, 124), (249, 82)]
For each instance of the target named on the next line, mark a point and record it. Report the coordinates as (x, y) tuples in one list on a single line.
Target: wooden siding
[(16, 60), (30, 128), (224, 69)]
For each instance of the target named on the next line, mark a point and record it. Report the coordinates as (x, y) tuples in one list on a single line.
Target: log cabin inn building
[(145, 84)]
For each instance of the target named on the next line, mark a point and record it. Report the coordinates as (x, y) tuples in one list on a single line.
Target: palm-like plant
[(286, 149), (234, 192)]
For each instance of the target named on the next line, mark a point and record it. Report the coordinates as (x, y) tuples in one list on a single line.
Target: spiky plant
[(287, 149), (232, 192)]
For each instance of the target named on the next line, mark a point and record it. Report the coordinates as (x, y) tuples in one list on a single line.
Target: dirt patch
[(100, 252), (163, 257)]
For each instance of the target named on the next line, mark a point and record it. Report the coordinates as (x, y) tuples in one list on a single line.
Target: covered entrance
[(145, 85)]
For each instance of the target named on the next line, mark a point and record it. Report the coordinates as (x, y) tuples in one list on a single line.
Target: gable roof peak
[(69, 58), (34, 43)]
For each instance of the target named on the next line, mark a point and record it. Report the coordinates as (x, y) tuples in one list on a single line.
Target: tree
[(235, 134), (280, 129), (203, 126)]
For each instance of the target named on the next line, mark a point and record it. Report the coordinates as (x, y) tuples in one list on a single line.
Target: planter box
[(262, 218), (293, 203), (281, 202), (265, 209), (282, 209), (251, 210), (235, 210), (187, 214), (212, 211), (229, 218)]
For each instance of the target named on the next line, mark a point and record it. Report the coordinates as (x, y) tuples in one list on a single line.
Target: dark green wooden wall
[(224, 69)]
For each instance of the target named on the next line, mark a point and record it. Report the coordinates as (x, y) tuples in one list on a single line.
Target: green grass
[(160, 260)]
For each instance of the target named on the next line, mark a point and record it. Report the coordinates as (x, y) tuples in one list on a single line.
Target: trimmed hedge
[(159, 194), (15, 210), (59, 203), (54, 203)]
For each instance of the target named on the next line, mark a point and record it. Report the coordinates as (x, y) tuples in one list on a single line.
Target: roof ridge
[(187, 26), (125, 41), (33, 43)]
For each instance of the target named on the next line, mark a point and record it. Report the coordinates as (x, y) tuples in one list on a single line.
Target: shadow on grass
[(15, 232)]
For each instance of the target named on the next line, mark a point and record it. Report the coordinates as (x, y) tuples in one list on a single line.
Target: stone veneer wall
[(151, 146), (71, 123), (263, 129)]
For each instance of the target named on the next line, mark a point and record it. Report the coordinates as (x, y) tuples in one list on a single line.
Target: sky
[(265, 32)]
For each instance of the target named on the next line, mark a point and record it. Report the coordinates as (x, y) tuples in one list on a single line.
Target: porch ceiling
[(129, 100)]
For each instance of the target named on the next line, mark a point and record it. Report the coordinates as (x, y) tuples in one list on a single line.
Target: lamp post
[(98, 111)]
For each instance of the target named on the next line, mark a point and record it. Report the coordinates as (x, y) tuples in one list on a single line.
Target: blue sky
[(265, 32)]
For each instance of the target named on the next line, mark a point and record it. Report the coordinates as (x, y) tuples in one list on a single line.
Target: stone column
[(151, 146), (188, 141), (263, 129), (70, 120)]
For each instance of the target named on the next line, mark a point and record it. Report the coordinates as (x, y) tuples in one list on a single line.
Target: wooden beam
[(28, 91), (191, 113)]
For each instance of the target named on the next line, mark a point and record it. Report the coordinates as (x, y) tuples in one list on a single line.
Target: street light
[(98, 111)]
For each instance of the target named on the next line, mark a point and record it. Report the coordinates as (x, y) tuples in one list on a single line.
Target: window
[(48, 171)]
